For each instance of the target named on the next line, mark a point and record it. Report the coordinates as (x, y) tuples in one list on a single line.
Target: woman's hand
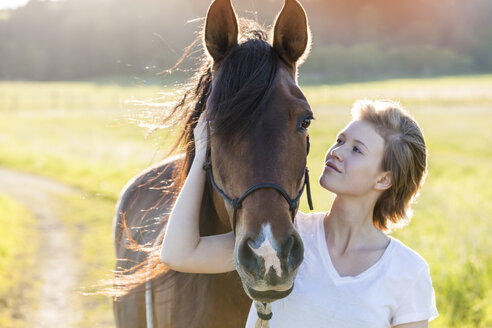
[(201, 133)]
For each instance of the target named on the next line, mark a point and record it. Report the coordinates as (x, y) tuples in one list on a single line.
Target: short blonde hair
[(405, 156)]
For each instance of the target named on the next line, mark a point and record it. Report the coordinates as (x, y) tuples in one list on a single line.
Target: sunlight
[(12, 4)]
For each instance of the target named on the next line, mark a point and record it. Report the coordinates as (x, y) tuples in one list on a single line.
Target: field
[(15, 256), (95, 137)]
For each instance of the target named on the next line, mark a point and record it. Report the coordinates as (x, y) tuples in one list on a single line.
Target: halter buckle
[(236, 203)]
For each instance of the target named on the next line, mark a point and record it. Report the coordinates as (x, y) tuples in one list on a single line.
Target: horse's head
[(258, 122)]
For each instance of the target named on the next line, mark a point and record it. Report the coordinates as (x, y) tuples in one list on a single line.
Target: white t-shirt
[(397, 289)]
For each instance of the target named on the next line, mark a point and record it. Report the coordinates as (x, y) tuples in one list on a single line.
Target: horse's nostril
[(247, 258), (288, 246), (250, 244), (295, 249)]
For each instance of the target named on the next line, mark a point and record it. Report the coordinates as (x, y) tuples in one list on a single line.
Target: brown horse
[(258, 133)]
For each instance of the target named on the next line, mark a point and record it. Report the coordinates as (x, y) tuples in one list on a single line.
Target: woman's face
[(353, 164)]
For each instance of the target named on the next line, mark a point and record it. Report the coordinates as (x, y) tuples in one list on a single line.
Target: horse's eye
[(306, 122)]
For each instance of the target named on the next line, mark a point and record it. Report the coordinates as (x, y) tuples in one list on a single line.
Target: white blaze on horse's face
[(267, 250)]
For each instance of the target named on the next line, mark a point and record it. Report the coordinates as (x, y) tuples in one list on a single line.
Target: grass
[(443, 91), (16, 261), (74, 145), (98, 144), (90, 222), (451, 225)]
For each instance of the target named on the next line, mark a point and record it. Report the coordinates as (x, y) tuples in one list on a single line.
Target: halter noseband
[(236, 203)]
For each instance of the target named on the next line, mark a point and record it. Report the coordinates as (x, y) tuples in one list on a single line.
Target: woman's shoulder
[(306, 216), (411, 282), (309, 225), (303, 220), (405, 258)]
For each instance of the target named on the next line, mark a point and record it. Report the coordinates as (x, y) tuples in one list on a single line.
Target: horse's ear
[(291, 35), (221, 29)]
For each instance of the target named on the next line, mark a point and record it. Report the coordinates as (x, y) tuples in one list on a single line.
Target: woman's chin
[(324, 181)]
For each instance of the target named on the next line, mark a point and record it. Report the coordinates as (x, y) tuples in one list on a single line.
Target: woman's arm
[(183, 249)]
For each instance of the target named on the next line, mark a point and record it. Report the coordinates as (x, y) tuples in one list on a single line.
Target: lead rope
[(148, 299), (264, 311), (306, 178)]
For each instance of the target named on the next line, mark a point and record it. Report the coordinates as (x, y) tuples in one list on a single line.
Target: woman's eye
[(339, 141), (357, 150)]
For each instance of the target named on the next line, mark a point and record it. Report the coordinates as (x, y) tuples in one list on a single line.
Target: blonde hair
[(405, 157)]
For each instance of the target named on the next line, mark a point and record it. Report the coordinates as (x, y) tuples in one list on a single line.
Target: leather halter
[(236, 203)]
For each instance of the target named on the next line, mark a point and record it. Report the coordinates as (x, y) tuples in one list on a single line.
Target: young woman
[(353, 273)]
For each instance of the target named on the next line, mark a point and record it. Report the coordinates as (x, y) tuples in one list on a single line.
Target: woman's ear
[(384, 181)]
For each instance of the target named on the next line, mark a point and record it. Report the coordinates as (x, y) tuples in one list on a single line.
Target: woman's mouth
[(332, 166)]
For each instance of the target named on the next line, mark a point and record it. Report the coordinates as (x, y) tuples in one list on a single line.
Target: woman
[(353, 273)]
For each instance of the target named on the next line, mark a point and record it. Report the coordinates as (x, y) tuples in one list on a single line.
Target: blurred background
[(358, 40), (84, 85)]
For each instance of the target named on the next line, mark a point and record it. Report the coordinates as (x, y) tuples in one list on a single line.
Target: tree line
[(352, 40)]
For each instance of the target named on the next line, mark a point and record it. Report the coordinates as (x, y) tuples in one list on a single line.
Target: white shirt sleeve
[(419, 303)]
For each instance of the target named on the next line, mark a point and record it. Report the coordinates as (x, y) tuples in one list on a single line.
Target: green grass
[(18, 243), (90, 222), (98, 147), (69, 95), (95, 149), (443, 91), (451, 227)]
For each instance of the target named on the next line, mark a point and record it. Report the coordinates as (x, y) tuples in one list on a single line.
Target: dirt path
[(57, 273)]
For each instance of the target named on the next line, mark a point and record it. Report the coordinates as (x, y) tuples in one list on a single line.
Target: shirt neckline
[(325, 254)]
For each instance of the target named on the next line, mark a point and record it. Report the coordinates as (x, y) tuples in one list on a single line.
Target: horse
[(258, 123)]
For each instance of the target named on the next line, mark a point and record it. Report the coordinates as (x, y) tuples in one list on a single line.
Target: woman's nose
[(337, 153)]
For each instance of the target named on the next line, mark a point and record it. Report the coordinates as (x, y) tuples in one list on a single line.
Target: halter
[(237, 203)]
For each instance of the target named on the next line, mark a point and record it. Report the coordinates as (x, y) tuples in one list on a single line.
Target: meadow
[(96, 137), (15, 256)]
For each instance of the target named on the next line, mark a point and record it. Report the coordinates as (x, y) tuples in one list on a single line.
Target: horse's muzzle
[(267, 267)]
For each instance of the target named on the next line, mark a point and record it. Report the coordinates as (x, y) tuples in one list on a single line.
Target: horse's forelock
[(243, 86)]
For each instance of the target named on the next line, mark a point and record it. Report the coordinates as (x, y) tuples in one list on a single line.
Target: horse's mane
[(238, 94), (243, 86)]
